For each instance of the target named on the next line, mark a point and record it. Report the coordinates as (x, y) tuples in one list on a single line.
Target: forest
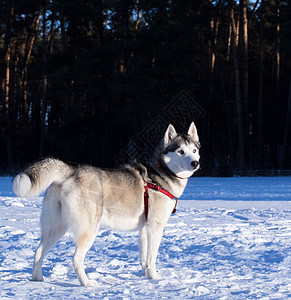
[(98, 81)]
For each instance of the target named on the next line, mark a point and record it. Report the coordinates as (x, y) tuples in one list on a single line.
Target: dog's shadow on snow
[(56, 283), (65, 284), (47, 279), (103, 278)]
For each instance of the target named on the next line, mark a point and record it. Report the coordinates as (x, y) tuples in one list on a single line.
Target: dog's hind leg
[(53, 228), (83, 243), (48, 240)]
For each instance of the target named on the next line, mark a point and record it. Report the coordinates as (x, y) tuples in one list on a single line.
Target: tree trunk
[(229, 108), (63, 33), (7, 55), (241, 156), (286, 138), (6, 83), (51, 34), (237, 31), (278, 49), (229, 42), (245, 70), (214, 25), (7, 78), (44, 86), (124, 22), (26, 61), (261, 87)]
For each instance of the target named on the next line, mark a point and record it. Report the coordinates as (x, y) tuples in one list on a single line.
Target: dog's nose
[(194, 164)]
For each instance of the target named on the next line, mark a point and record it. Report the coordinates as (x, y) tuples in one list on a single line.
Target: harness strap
[(158, 189), (146, 202)]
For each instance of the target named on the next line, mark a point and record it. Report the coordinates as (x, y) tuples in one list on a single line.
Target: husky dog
[(85, 198)]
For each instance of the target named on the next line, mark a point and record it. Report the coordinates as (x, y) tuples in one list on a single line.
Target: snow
[(230, 239)]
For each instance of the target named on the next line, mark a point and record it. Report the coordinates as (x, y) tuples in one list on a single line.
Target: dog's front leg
[(143, 248), (154, 236)]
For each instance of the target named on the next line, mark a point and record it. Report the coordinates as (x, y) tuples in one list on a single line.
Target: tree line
[(90, 80)]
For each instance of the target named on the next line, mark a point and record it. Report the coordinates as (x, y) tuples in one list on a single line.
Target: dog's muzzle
[(194, 164)]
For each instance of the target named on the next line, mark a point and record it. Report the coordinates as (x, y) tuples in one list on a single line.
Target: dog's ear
[(169, 135), (193, 132)]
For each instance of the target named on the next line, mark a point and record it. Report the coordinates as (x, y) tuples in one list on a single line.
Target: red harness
[(158, 189)]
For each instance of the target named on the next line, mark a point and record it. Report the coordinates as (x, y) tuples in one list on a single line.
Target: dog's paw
[(37, 278), (152, 274), (156, 276), (144, 271), (91, 283)]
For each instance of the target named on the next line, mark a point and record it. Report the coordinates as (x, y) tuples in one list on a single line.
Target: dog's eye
[(181, 152), (195, 150)]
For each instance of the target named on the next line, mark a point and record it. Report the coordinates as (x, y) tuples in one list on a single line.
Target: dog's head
[(181, 151)]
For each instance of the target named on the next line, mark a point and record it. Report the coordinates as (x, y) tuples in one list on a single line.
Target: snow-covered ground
[(230, 239)]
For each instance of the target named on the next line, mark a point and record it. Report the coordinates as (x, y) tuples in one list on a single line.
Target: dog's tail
[(39, 176)]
